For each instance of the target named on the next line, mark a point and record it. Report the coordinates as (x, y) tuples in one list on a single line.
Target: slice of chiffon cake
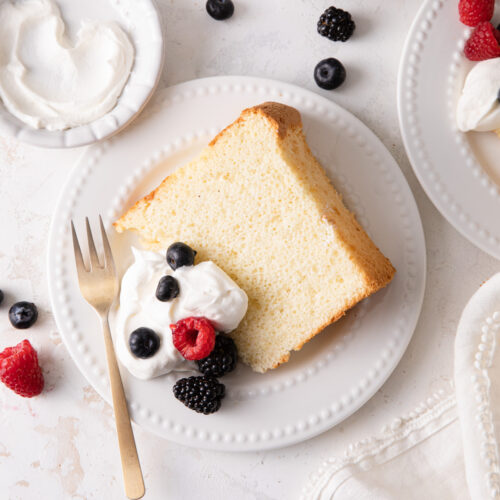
[(258, 204)]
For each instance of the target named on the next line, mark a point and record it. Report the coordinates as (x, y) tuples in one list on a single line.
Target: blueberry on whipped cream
[(479, 105), (179, 254), (144, 342), (205, 290), (167, 289)]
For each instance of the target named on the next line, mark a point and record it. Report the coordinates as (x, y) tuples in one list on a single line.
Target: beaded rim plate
[(336, 372), (459, 172), (142, 23)]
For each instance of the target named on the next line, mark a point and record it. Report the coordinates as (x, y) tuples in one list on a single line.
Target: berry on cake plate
[(483, 43), (167, 289), (473, 12), (193, 337), (201, 394), (144, 342), (222, 359)]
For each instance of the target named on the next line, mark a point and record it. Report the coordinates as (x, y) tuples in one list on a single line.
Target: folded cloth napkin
[(447, 448)]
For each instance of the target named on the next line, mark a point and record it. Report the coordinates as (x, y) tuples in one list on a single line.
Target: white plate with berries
[(336, 372), (449, 109)]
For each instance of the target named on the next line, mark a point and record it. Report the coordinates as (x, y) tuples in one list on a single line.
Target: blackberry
[(1, 296), (329, 73), (336, 24), (201, 394), (222, 359)]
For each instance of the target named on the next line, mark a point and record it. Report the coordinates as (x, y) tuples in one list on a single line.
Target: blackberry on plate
[(1, 296), (329, 73), (179, 254), (167, 289), (23, 314), (336, 24), (201, 394), (222, 359), (144, 342), (220, 9)]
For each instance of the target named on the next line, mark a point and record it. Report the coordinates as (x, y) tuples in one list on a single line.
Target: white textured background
[(62, 445)]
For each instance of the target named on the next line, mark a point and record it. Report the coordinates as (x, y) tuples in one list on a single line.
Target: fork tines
[(107, 263)]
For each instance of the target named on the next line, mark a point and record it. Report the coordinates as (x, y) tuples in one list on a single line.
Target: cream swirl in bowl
[(205, 290), (479, 106), (47, 80)]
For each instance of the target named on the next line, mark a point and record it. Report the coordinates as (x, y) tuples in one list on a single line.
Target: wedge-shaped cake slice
[(259, 205)]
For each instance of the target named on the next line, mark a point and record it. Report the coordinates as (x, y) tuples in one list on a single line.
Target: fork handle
[(132, 474)]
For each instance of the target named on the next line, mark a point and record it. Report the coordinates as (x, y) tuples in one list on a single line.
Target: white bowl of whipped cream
[(73, 73)]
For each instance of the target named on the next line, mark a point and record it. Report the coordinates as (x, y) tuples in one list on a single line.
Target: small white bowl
[(142, 23)]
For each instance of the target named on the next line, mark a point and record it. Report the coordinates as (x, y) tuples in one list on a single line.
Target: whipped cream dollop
[(205, 290), (47, 81), (478, 107)]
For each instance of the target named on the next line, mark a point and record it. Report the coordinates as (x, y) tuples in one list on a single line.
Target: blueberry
[(22, 315), (1, 296), (144, 342), (329, 73), (167, 289), (179, 254), (220, 9)]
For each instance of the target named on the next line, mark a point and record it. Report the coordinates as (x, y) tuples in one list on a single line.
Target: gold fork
[(99, 287)]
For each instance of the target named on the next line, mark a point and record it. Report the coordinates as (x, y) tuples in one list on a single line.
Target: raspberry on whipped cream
[(478, 107)]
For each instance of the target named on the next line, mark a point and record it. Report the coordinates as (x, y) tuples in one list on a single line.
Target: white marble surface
[(61, 445)]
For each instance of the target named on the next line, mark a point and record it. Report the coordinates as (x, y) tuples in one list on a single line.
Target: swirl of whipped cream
[(47, 81), (478, 107), (205, 290)]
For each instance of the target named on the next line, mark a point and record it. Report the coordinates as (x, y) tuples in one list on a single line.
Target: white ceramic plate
[(335, 373), (141, 22), (459, 172)]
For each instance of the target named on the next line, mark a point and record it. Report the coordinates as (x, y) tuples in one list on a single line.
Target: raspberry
[(483, 43), (194, 338), (473, 12), (20, 371)]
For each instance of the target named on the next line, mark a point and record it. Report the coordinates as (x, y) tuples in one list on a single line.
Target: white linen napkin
[(447, 448)]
